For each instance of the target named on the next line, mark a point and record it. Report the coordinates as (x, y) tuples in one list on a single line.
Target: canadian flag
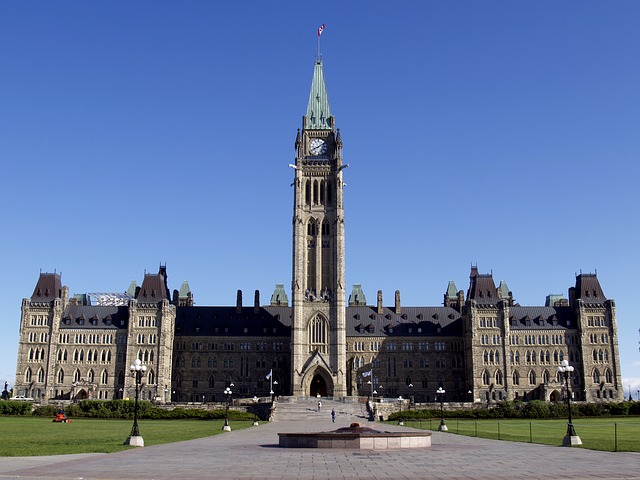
[(320, 30)]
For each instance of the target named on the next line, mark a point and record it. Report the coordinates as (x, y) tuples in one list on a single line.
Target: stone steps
[(305, 409)]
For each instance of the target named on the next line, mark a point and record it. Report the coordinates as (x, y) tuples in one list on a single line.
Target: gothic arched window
[(318, 334)]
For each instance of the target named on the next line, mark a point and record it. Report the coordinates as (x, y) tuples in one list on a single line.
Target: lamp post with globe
[(227, 393), (571, 438), (137, 371), (443, 426)]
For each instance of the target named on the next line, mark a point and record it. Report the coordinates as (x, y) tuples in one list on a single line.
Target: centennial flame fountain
[(358, 437)]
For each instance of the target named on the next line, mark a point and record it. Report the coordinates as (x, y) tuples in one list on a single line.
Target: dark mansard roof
[(229, 321), (95, 316), (276, 321), (432, 321), (541, 318), (48, 288), (588, 289)]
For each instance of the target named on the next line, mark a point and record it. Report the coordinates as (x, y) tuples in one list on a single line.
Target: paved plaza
[(254, 453)]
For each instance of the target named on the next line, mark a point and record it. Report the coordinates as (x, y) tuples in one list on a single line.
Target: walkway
[(253, 453)]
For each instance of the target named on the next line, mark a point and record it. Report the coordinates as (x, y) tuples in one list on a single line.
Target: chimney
[(256, 302), (65, 296), (398, 307), (239, 302), (380, 307)]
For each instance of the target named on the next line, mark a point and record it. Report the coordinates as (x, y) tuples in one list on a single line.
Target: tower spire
[(318, 115)]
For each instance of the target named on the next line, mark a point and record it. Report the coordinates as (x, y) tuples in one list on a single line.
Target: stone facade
[(481, 347)]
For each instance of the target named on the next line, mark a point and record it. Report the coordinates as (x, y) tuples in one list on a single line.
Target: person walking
[(319, 405), (333, 415)]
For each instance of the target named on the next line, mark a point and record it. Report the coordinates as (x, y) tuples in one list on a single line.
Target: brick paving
[(254, 453)]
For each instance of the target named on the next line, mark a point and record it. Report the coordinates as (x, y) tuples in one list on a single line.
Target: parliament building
[(480, 346)]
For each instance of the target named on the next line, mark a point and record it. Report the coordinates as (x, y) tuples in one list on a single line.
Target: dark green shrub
[(45, 411), (634, 408), (621, 408), (9, 407), (536, 409), (591, 410)]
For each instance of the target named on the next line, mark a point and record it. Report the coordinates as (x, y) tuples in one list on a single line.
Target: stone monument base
[(356, 437)]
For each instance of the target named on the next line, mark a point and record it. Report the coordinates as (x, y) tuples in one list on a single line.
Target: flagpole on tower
[(320, 29)]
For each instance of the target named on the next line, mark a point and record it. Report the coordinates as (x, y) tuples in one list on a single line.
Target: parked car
[(22, 398)]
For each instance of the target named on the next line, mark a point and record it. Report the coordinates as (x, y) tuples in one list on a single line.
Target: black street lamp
[(227, 393), (571, 438), (443, 426), (137, 371)]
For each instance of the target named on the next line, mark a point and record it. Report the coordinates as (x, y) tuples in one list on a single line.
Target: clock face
[(317, 146)]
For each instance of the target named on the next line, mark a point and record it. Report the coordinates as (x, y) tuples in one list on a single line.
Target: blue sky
[(502, 134)]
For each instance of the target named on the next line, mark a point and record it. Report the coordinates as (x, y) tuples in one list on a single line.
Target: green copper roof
[(504, 290), (132, 288), (318, 116), (357, 296), (452, 291), (279, 296), (184, 290)]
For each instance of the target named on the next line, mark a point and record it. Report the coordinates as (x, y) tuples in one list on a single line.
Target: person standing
[(333, 415), (319, 405)]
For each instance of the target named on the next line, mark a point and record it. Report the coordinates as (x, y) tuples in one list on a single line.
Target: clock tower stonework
[(318, 338)]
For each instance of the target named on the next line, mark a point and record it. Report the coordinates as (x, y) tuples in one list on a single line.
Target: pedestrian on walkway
[(333, 415), (319, 405)]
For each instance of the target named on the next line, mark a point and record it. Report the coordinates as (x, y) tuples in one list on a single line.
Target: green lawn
[(28, 436), (608, 434)]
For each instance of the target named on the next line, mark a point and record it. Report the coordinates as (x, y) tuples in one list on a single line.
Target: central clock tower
[(318, 337)]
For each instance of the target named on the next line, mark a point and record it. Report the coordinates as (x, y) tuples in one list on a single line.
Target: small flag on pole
[(366, 374), (269, 374), (320, 29)]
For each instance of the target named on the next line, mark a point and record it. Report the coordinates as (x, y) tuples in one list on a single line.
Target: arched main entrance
[(318, 386)]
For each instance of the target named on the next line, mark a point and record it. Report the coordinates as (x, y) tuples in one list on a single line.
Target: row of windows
[(79, 356), (488, 322), (539, 340), (317, 192), (425, 383), (151, 338), (595, 338), (42, 337), (497, 377), (227, 362), (40, 320), (228, 346), (596, 321), (493, 340), (147, 321), (601, 356)]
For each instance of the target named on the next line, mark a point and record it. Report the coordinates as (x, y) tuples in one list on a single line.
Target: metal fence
[(596, 434)]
